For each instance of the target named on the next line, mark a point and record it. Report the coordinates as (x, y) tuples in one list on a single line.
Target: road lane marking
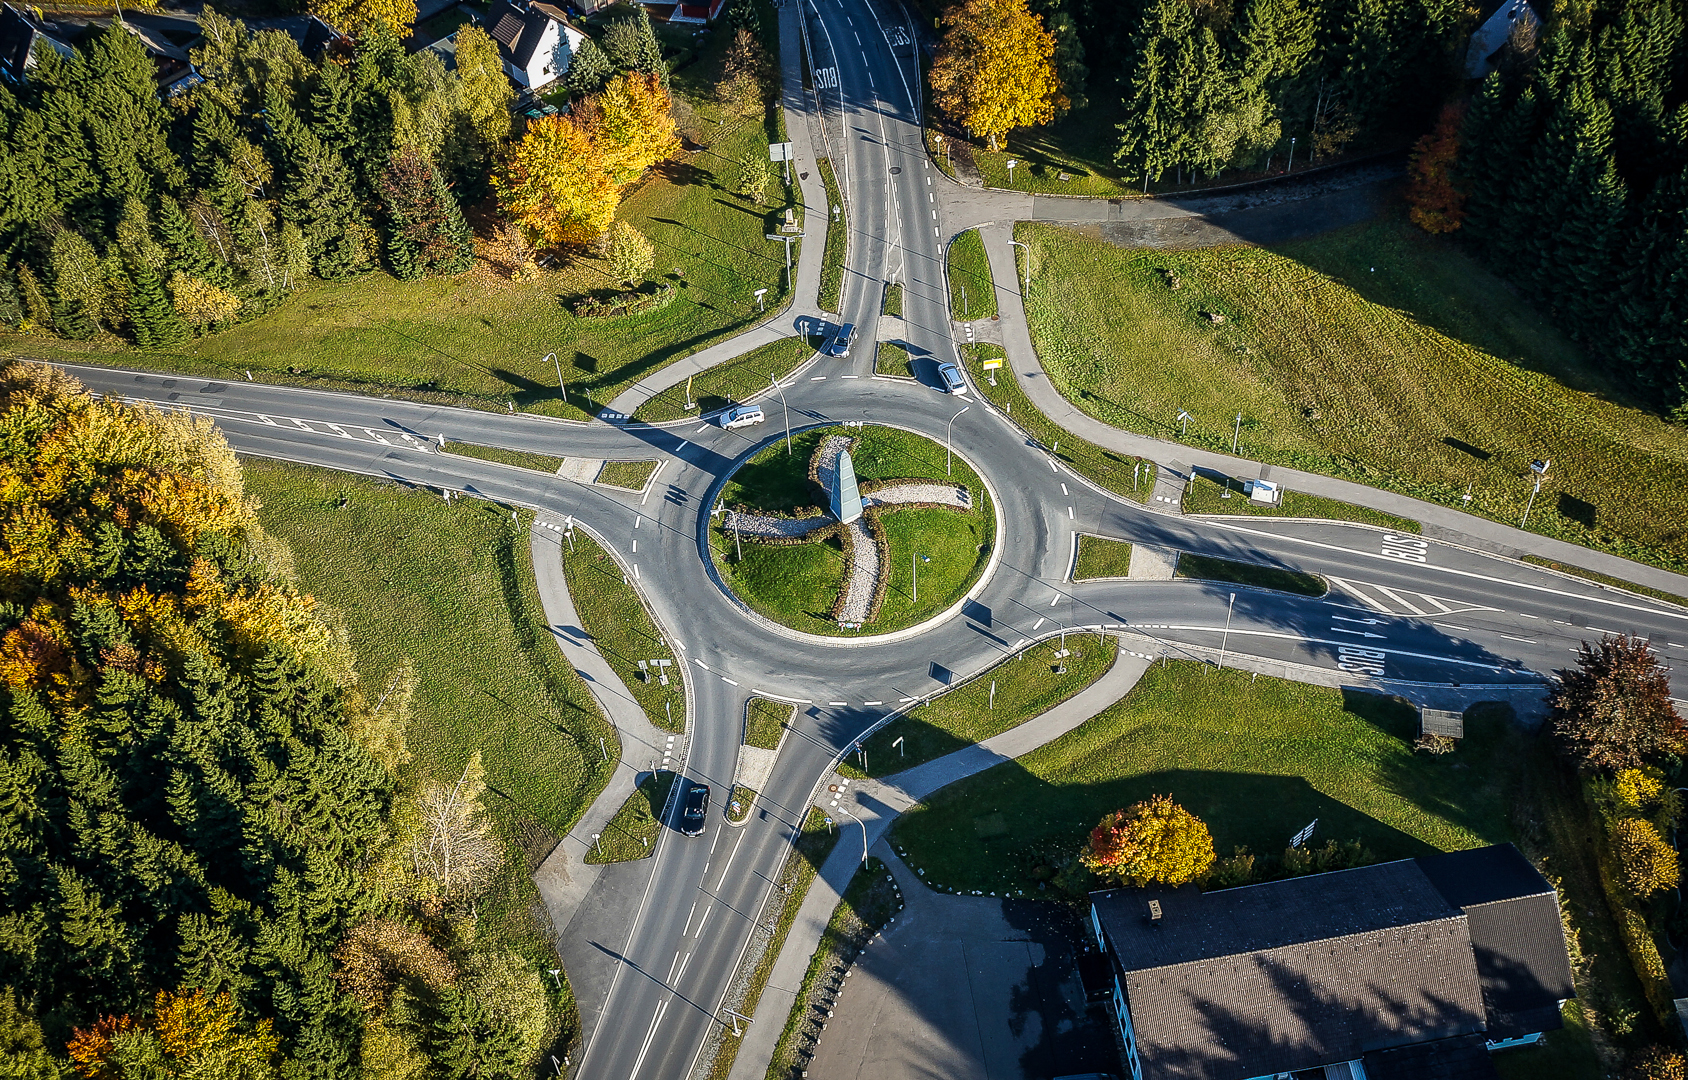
[(1395, 596), (1052, 467), (1069, 513), (1063, 489), (700, 663), (873, 703), (1056, 599), (1022, 641), (1525, 640), (728, 681), (1522, 615), (729, 865), (1037, 624), (678, 975), (1452, 626), (838, 703), (706, 912), (689, 915), (700, 427), (817, 378), (635, 545), (645, 1049), (673, 966)]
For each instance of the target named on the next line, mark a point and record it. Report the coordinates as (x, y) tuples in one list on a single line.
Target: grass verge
[(1375, 353), (612, 613), (739, 803), (972, 295), (814, 843), (1567, 1054), (632, 833), (1256, 759), (522, 459), (1099, 557), (764, 722), (729, 382), (837, 237), (1605, 579), (1122, 474), (1208, 568), (1022, 687), (629, 475), (1205, 496), (892, 304), (893, 360), (796, 584), (870, 901)]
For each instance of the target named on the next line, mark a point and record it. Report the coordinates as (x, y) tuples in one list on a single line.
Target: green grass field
[(482, 337), (449, 590), (1205, 496), (972, 296), (733, 381), (1026, 685), (892, 304), (1132, 477), (1375, 353), (630, 475), (893, 360), (632, 833), (1256, 759), (622, 630), (837, 238), (797, 584), (1206, 568), (764, 722), (1099, 557), (522, 459), (1081, 144)]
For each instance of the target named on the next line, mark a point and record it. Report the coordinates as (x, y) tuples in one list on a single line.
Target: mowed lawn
[(1257, 759), (1376, 353), (450, 591), (484, 336)]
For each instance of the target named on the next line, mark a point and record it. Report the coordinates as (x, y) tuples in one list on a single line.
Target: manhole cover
[(895, 169)]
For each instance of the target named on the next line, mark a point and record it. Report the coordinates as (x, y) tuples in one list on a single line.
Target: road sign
[(780, 151), (993, 363)]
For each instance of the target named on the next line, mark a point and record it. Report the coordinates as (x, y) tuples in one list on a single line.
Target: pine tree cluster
[(122, 212), (1574, 161)]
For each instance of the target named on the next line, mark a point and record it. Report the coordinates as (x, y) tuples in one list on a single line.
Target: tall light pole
[(1237, 435), (1028, 275), (559, 364), (863, 824), (1226, 640), (914, 561), (1540, 469), (947, 427), (1291, 156), (787, 408)]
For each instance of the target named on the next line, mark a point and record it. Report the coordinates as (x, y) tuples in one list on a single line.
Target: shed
[(1441, 722)]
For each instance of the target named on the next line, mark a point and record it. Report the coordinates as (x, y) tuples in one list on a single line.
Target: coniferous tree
[(631, 45), (185, 250), (426, 232), (589, 69), (315, 192), (152, 317), (36, 307)]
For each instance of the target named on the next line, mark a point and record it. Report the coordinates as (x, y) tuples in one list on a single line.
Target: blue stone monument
[(846, 496)]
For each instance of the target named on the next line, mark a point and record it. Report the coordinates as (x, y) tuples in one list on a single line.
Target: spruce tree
[(152, 316), (185, 249), (1482, 172), (36, 307), (315, 192), (426, 231), (589, 69), (632, 46)]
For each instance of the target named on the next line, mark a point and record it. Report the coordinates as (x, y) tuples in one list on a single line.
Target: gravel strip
[(859, 587), (955, 495), (760, 526)]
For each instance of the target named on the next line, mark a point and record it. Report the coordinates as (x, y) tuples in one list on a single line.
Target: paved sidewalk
[(803, 315), (1440, 522), (564, 879), (876, 804)]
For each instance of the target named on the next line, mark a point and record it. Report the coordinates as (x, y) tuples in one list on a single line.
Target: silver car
[(951, 375), (742, 416)]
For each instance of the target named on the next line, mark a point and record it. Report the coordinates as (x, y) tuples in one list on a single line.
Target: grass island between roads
[(797, 584)]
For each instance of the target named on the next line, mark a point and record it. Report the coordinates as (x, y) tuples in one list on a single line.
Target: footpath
[(1440, 522), (803, 315)]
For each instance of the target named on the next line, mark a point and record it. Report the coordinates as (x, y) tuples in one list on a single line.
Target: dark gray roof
[(1291, 974), (1464, 1058), (18, 34), (1516, 935), (517, 31)]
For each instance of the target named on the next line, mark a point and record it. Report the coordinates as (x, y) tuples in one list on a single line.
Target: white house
[(536, 40)]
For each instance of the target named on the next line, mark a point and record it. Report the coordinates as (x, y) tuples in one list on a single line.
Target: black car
[(693, 809)]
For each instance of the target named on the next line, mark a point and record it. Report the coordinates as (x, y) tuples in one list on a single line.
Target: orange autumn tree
[(556, 184), (189, 1035), (1155, 842), (1434, 203)]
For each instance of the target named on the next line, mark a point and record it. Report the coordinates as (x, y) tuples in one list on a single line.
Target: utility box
[(1441, 722), (1263, 491)]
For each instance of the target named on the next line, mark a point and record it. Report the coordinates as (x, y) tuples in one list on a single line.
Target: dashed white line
[(1451, 626), (873, 703), (817, 378), (838, 703), (700, 663), (1056, 599), (700, 427), (1063, 489), (1069, 513), (1523, 615), (1509, 637), (635, 546), (637, 518), (728, 681), (1035, 625), (849, 376), (1022, 641)]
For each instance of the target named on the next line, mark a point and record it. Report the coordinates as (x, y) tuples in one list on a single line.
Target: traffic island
[(852, 531), (632, 833)]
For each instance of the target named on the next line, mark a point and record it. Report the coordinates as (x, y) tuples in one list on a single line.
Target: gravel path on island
[(859, 585)]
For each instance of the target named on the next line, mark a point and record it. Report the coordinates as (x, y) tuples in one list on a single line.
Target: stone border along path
[(861, 547)]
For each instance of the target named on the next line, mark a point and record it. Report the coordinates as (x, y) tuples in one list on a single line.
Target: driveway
[(966, 986)]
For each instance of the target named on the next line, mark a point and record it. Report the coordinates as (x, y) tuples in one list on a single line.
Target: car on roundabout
[(742, 416), (694, 808)]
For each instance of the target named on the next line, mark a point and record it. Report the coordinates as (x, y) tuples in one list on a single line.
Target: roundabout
[(853, 531)]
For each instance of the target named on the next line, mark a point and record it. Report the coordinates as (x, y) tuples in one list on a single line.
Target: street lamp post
[(1291, 157), (842, 808), (1226, 639), (947, 427), (787, 408), (559, 365), (914, 561), (1540, 470), (1028, 275)]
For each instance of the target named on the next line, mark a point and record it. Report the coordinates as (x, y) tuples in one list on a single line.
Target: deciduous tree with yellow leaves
[(994, 70), (362, 17), (556, 185), (1154, 842), (632, 124)]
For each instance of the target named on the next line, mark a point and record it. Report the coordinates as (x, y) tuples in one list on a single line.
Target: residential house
[(698, 13), (1410, 969), (536, 40), (20, 34)]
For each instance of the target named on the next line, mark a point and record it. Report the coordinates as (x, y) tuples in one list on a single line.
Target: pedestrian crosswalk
[(1382, 598)]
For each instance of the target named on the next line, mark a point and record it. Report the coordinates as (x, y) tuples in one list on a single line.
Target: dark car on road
[(840, 343), (693, 809)]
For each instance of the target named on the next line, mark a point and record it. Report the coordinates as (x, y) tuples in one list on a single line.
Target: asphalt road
[(1404, 609)]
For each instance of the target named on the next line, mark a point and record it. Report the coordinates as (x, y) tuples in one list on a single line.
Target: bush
[(633, 302), (1234, 869), (1657, 1063), (1333, 856), (1435, 744), (1646, 864), (1155, 841)]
